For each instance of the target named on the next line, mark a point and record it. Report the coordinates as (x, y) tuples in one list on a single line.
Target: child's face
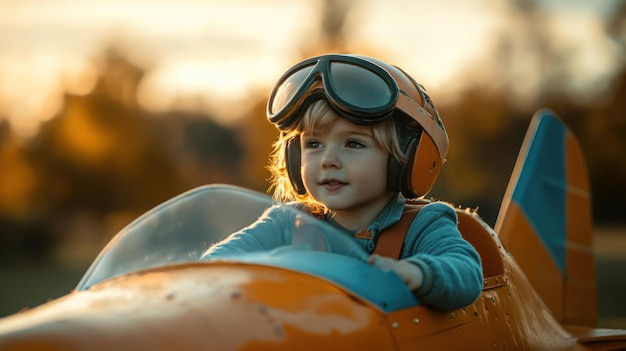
[(344, 169)]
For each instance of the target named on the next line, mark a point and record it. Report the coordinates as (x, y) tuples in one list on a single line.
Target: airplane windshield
[(182, 229)]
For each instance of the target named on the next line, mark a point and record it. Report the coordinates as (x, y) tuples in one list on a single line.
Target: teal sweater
[(451, 266)]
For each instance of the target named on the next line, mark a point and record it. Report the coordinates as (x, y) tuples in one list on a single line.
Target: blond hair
[(320, 116)]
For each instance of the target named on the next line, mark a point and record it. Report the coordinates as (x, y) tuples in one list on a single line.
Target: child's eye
[(312, 144), (354, 144)]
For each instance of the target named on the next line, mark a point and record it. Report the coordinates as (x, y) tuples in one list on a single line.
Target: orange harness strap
[(391, 239)]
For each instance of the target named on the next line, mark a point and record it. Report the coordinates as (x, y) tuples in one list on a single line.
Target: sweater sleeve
[(451, 266), (269, 231)]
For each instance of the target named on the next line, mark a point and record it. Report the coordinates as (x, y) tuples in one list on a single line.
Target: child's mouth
[(332, 184)]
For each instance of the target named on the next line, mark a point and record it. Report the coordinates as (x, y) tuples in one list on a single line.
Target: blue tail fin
[(545, 220)]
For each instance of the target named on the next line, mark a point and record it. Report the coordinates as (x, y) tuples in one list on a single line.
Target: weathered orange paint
[(199, 307), (522, 242), (580, 297)]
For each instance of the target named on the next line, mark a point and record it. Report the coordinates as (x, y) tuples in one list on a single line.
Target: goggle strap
[(427, 121)]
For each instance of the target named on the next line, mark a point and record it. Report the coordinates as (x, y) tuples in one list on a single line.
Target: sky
[(221, 50)]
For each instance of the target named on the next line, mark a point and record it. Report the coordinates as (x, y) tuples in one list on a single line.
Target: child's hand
[(410, 273)]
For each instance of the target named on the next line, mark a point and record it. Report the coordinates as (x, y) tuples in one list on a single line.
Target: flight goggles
[(361, 91)]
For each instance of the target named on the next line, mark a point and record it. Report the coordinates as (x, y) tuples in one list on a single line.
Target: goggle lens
[(358, 87), (287, 90)]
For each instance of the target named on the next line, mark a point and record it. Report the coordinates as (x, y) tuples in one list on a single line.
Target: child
[(359, 137)]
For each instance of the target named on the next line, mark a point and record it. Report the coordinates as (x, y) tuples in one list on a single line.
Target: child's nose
[(331, 158)]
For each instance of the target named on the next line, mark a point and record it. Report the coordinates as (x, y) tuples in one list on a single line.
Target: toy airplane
[(150, 290)]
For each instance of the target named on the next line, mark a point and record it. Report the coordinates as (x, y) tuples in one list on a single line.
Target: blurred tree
[(485, 133), (103, 156), (333, 32), (616, 25), (96, 157), (17, 177), (203, 151), (529, 63), (257, 136), (334, 27), (21, 234)]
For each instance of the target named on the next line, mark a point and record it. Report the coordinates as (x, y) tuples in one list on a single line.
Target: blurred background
[(108, 108)]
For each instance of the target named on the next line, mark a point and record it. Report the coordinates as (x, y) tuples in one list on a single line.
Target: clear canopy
[(182, 229)]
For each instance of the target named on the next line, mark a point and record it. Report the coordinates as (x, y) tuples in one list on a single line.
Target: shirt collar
[(391, 213)]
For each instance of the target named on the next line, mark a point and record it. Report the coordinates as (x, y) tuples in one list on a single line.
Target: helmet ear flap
[(293, 162), (425, 166), (415, 177), (398, 173)]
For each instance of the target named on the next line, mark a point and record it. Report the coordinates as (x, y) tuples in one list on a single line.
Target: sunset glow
[(217, 52)]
